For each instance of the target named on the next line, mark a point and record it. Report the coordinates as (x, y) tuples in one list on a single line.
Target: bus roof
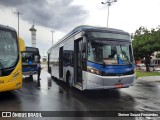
[(7, 27), (32, 49), (94, 28), (89, 28)]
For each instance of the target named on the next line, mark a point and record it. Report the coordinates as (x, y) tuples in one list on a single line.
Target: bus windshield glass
[(30, 55), (110, 52), (8, 49)]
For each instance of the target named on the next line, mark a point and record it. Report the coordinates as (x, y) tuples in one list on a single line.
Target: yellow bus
[(10, 59)]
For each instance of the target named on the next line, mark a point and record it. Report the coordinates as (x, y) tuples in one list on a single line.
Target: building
[(33, 36)]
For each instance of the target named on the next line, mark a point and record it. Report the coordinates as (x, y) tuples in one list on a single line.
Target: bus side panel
[(91, 81), (14, 80), (55, 71), (54, 62), (54, 58), (68, 49)]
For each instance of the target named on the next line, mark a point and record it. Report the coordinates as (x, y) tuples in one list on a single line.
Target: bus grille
[(118, 74)]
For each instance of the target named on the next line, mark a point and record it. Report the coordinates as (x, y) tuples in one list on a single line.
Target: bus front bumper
[(11, 82), (93, 81), (10, 86)]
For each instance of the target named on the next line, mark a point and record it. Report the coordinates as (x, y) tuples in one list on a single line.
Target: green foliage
[(145, 42), (143, 74), (158, 55)]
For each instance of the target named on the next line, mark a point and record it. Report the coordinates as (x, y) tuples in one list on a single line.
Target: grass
[(143, 74)]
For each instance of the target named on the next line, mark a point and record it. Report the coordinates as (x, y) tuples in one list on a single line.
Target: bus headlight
[(93, 70)]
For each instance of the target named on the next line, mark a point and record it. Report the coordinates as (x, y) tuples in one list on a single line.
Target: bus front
[(110, 61), (10, 61), (30, 59)]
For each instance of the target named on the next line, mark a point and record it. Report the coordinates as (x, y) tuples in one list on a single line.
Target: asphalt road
[(57, 96)]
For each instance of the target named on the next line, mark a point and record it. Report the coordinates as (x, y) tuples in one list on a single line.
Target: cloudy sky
[(63, 15)]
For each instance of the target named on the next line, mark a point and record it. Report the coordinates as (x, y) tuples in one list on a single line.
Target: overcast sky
[(63, 15)]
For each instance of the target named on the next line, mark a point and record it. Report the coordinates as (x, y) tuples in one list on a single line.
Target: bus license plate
[(119, 85), (28, 73)]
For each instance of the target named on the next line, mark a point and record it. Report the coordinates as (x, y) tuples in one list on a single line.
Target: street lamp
[(109, 3), (52, 36), (18, 13)]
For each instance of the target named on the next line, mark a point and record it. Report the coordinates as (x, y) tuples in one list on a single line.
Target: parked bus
[(93, 58), (10, 59), (30, 59)]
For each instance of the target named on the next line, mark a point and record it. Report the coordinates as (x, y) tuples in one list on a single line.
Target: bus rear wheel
[(69, 79)]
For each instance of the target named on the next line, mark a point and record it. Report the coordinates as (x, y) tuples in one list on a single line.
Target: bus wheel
[(31, 77), (51, 75), (69, 79), (54, 78)]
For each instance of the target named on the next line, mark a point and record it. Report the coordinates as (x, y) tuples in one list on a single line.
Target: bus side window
[(71, 58), (67, 59)]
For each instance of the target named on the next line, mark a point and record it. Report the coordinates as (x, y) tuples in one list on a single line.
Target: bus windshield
[(8, 49), (110, 52), (30, 55)]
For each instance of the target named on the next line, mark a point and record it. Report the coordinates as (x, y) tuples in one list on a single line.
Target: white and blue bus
[(30, 59), (93, 58)]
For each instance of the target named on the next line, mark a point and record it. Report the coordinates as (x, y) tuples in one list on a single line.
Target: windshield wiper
[(1, 65)]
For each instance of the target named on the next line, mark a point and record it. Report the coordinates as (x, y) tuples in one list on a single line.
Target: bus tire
[(52, 77), (31, 77), (69, 79), (51, 74)]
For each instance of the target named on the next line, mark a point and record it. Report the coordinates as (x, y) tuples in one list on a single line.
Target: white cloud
[(128, 15)]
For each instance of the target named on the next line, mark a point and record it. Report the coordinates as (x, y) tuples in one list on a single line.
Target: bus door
[(78, 64), (60, 62)]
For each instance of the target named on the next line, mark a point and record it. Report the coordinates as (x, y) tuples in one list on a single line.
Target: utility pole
[(18, 13), (109, 3), (52, 36)]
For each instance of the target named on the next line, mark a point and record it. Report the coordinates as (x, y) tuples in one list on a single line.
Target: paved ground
[(150, 78), (57, 96)]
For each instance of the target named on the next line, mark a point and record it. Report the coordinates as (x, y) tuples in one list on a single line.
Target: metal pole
[(52, 36), (18, 24), (109, 3), (108, 16), (18, 13)]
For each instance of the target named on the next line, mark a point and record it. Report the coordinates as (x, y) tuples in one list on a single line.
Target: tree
[(145, 42), (158, 55)]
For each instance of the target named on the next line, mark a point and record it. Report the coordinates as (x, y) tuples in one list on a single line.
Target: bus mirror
[(83, 47)]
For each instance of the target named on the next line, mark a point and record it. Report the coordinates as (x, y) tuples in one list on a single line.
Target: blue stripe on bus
[(28, 69), (111, 68)]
